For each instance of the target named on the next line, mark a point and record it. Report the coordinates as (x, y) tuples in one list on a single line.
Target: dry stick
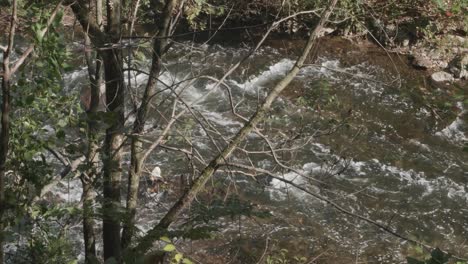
[(265, 251), (154, 234), (383, 227), (135, 6), (70, 167)]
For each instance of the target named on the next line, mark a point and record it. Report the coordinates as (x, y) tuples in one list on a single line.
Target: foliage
[(176, 256), (41, 111), (455, 7), (197, 11), (47, 246), (42, 108), (47, 240)]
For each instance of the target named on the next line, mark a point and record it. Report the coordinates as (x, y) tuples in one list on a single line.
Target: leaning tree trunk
[(137, 151)]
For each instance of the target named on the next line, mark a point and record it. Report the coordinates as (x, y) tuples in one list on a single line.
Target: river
[(367, 131)]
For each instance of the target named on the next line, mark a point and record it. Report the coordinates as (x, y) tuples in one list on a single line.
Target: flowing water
[(386, 148)]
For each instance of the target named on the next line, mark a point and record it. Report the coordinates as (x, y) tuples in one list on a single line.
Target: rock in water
[(156, 173), (422, 61), (442, 76)]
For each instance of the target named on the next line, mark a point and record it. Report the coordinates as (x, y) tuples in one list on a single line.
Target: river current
[(382, 145)]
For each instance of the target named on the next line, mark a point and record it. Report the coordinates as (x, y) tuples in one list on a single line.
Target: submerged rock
[(442, 76)]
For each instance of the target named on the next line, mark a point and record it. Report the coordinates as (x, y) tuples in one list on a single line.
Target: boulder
[(442, 76), (422, 61)]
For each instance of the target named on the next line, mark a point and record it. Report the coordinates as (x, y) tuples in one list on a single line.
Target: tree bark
[(5, 121), (113, 73), (4, 141), (112, 155), (137, 151), (157, 231), (92, 156), (115, 99)]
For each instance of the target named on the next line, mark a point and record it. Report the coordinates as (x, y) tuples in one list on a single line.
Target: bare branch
[(207, 173), (71, 167)]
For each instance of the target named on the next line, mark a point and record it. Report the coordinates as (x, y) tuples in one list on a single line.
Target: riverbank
[(430, 37)]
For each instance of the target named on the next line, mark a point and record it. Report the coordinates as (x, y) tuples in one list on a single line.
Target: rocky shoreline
[(446, 63), (444, 58)]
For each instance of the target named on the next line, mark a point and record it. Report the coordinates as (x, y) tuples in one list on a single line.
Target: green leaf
[(187, 261), (178, 257), (62, 123), (419, 250), (165, 239), (169, 248)]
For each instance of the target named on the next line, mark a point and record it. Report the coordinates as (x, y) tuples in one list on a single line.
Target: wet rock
[(442, 76), (420, 145), (422, 61), (459, 66), (326, 31), (405, 42)]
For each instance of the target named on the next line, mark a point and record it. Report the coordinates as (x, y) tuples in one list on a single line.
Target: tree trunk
[(4, 141), (112, 154), (113, 74), (137, 151), (92, 157), (89, 235), (5, 121)]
